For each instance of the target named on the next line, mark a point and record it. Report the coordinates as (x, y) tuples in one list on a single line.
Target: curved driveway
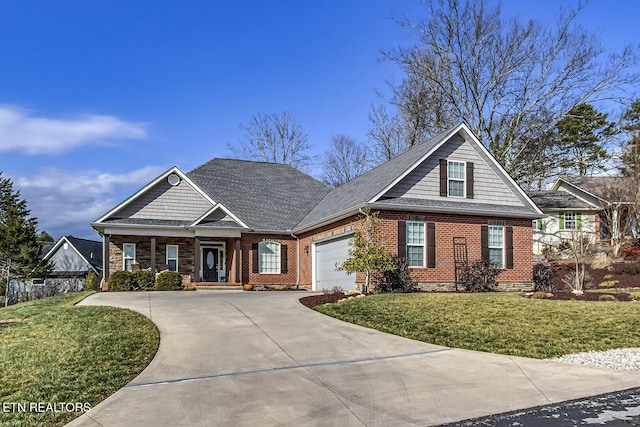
[(232, 358)]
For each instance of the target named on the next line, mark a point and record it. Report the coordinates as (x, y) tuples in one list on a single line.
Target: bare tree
[(509, 81), (344, 161), (619, 214), (276, 138), (387, 134)]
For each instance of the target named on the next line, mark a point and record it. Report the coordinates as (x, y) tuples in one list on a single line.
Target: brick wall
[(446, 228), (276, 280)]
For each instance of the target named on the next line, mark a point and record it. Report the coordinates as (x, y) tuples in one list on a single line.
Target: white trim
[(222, 247), (55, 248), (424, 244), (556, 185), (215, 208), (464, 128), (464, 179), (166, 258), (503, 248), (141, 191), (279, 255), (149, 230), (124, 258)]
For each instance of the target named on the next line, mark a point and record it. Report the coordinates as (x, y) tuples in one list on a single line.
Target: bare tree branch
[(344, 161)]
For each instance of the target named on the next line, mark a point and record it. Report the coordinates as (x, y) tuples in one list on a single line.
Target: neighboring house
[(241, 222), (72, 259), (576, 203)]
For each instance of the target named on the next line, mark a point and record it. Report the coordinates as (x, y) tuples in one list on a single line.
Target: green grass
[(63, 353), (499, 322)]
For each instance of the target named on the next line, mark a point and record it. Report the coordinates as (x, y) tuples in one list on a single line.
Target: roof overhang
[(165, 231), (457, 211)]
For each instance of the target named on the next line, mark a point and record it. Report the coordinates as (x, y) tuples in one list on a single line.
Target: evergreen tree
[(631, 155), (19, 245), (583, 134)]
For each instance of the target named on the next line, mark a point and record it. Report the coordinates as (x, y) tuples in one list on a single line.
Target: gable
[(424, 181), (163, 201), (578, 192), (218, 217), (67, 259)]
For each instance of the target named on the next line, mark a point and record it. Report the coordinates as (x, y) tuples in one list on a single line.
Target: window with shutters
[(269, 257), (415, 243), (456, 179), (496, 245), (570, 220)]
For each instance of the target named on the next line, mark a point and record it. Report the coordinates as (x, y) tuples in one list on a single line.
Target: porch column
[(153, 254), (196, 259), (105, 258), (236, 260)]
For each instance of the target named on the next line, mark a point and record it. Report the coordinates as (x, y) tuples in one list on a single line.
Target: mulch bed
[(313, 300)]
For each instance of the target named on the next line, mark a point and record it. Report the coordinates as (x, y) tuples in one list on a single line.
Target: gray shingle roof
[(265, 196), (553, 199), (599, 186), (89, 249), (447, 205), (355, 193)]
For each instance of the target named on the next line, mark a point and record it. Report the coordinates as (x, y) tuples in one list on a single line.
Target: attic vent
[(65, 246), (173, 179)]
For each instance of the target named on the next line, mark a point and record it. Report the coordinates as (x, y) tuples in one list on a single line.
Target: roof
[(265, 196), (448, 206), (599, 186), (370, 186), (90, 250), (558, 200)]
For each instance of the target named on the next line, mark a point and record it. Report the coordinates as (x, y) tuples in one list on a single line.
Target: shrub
[(544, 277), (480, 276), (122, 280), (169, 281), (608, 283), (145, 279), (397, 279), (334, 290), (631, 268), (92, 281), (631, 253)]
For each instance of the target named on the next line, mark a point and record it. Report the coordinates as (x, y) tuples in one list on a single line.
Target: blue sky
[(99, 97)]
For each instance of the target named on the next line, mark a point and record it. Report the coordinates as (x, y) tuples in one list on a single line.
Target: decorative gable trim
[(223, 209), (470, 137), (165, 175), (57, 246), (557, 184)]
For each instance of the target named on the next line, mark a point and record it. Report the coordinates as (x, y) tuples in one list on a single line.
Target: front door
[(210, 264)]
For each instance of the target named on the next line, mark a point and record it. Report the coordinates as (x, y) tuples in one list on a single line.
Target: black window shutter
[(284, 262), (402, 239), (484, 242), (431, 245), (255, 258), (509, 247), (469, 180), (443, 177)]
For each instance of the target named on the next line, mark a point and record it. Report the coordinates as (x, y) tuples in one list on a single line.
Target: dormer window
[(455, 179)]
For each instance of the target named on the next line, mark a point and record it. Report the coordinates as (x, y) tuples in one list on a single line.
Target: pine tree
[(631, 156), (19, 247)]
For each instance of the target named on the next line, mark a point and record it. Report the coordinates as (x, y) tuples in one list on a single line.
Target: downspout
[(298, 260)]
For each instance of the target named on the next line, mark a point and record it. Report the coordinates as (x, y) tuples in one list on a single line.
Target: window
[(172, 257), (496, 245), (536, 224), (415, 244), (269, 253), (571, 221), (455, 179), (129, 255)]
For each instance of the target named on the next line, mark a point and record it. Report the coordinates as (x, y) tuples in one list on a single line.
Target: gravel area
[(624, 358)]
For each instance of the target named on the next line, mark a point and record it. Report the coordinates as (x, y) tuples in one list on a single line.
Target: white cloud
[(65, 202), (26, 134)]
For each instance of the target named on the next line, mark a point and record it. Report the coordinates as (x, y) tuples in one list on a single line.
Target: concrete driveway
[(232, 358)]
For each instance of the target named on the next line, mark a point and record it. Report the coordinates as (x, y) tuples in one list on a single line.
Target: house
[(588, 204), (72, 259), (236, 222)]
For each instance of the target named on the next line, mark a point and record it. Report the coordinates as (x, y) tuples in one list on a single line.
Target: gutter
[(431, 209), (298, 259)]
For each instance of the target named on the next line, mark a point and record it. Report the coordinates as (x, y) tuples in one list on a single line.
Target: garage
[(329, 255)]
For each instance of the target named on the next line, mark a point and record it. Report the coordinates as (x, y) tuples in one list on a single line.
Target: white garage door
[(329, 255)]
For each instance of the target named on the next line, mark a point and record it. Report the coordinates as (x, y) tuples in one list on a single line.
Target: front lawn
[(497, 322), (57, 358)]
